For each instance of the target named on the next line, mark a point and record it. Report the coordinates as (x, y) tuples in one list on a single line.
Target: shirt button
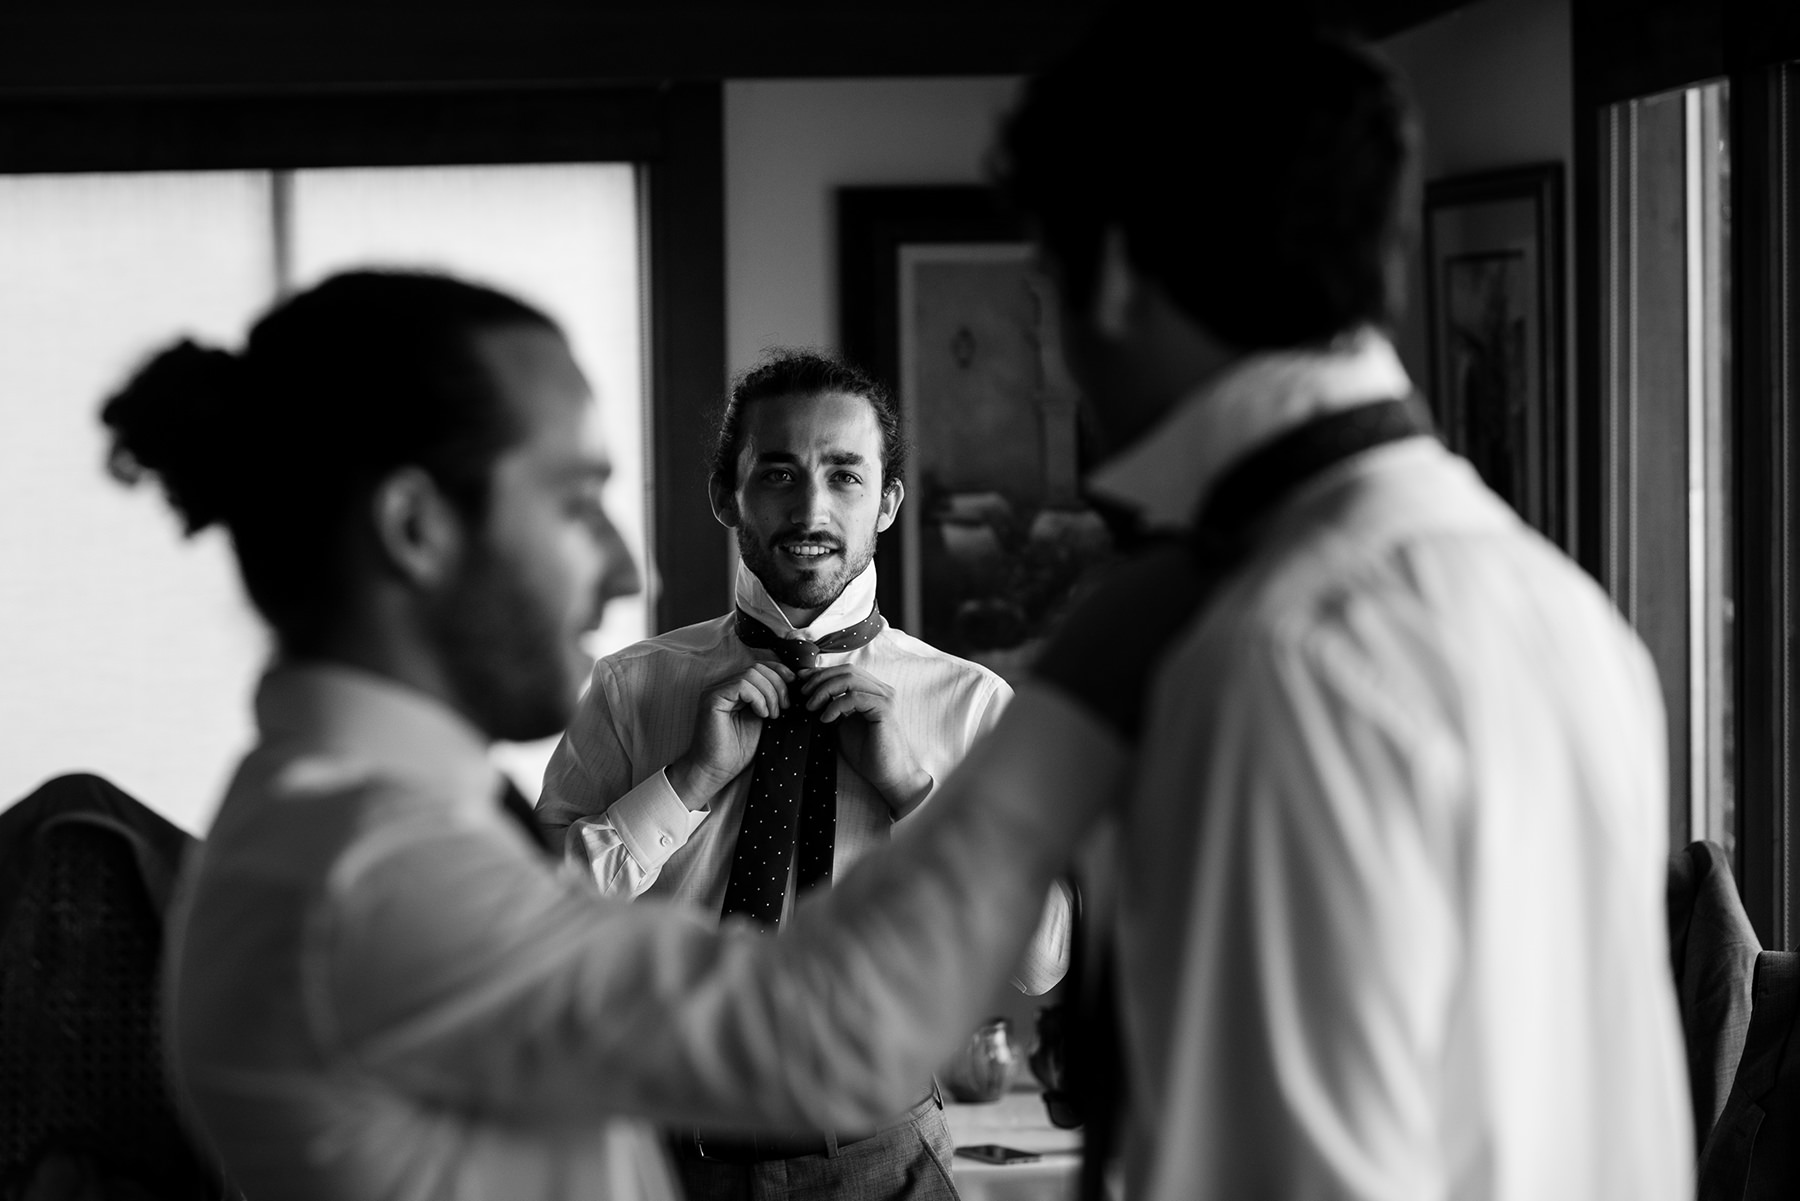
[(665, 840)]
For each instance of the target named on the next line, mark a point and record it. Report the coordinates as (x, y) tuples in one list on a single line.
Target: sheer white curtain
[(125, 651)]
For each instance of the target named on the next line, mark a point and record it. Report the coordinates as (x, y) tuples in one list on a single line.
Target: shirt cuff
[(652, 821)]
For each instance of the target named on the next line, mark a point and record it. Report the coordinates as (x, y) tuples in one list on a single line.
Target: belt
[(699, 1146)]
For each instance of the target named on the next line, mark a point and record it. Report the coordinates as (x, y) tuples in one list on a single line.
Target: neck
[(857, 594), (1157, 358), (395, 650), (801, 618)]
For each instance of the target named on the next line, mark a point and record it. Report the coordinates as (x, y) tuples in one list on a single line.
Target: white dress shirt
[(1390, 908), (377, 989), (607, 793)]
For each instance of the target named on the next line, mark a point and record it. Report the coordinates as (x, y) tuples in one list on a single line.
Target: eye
[(586, 505), (847, 478), (777, 475)]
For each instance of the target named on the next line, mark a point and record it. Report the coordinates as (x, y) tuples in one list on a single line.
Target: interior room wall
[(789, 144), (1494, 83)]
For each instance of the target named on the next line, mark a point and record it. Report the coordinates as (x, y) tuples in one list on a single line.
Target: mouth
[(806, 552)]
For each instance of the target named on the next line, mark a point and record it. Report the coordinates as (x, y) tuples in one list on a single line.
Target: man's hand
[(871, 740), (727, 728)]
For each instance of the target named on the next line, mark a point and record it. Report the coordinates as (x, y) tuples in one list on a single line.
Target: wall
[(1494, 83), (788, 144)]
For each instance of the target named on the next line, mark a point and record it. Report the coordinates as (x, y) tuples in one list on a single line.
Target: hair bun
[(173, 419)]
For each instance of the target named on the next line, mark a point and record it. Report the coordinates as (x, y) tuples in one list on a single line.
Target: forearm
[(903, 798), (539, 1000), (693, 784)]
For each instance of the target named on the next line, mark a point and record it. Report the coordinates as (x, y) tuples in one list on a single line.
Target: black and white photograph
[(748, 600)]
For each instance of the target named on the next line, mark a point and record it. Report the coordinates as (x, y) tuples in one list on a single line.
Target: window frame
[(1627, 49), (673, 132)]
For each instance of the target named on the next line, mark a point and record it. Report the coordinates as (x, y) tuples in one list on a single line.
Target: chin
[(514, 701), (810, 594)]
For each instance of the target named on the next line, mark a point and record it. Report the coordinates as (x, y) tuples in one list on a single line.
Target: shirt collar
[(851, 606), (379, 724), (1165, 474)]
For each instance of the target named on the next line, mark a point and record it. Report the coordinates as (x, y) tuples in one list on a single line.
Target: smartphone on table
[(994, 1153)]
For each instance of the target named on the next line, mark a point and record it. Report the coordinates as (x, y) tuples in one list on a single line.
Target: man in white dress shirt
[(377, 985), (1389, 915), (652, 790)]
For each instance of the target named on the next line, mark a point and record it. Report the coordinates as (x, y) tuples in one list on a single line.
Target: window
[(1688, 480), (1665, 360), (128, 653)]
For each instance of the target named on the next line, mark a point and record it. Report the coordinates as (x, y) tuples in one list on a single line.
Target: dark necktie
[(793, 785), (515, 806)]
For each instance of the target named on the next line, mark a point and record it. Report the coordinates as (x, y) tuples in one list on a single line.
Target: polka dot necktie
[(792, 807)]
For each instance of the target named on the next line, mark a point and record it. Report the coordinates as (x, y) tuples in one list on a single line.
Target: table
[(1016, 1120)]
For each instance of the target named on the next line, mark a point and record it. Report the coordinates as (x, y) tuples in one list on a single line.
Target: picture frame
[(942, 300), (1494, 280)]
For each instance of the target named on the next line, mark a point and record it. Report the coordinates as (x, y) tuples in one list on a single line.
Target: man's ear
[(891, 496), (724, 502), (1116, 286), (419, 531)]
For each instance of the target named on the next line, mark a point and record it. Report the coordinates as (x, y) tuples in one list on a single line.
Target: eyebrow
[(585, 469), (834, 458)]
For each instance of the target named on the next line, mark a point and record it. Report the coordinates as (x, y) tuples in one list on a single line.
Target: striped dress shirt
[(606, 791)]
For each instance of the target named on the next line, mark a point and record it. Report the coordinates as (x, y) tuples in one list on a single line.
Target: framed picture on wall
[(940, 299), (1493, 299)]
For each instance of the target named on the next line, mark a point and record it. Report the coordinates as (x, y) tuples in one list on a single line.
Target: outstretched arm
[(464, 973)]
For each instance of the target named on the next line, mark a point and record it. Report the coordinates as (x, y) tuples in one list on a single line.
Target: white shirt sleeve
[(623, 849), (592, 764)]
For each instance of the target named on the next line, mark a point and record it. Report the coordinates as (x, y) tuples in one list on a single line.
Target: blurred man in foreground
[(1389, 913), (377, 984)]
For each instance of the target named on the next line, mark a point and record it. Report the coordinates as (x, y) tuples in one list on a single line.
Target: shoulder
[(324, 824), (902, 648), (1375, 530), (666, 658), (1408, 581), (700, 639)]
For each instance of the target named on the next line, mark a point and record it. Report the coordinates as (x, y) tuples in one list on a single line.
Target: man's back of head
[(383, 450), (1259, 170)]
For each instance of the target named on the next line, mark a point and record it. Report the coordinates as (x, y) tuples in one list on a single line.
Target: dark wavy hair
[(804, 373), (1261, 170), (334, 389)]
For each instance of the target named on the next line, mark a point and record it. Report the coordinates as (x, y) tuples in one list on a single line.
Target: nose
[(810, 510), (619, 575)]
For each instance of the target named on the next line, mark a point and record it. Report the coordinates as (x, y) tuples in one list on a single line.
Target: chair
[(1739, 1005), (85, 872), (1754, 1151)]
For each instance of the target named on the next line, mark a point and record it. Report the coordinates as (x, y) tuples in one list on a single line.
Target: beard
[(797, 589), (507, 654)]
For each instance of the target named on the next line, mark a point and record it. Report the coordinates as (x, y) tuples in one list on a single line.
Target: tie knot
[(799, 655)]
